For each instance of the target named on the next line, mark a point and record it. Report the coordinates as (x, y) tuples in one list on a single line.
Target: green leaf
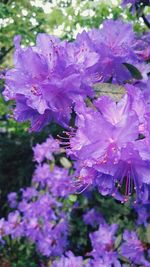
[(148, 234), (134, 71), (50, 264), (73, 198), (112, 90), (65, 163), (118, 241), (124, 259)]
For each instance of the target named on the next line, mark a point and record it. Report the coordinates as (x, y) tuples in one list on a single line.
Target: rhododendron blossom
[(108, 146), (94, 93)]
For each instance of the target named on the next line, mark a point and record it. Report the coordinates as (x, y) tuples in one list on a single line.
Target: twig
[(147, 23)]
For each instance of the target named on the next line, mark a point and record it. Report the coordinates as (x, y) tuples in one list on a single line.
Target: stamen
[(70, 134), (35, 91), (80, 192), (62, 137)]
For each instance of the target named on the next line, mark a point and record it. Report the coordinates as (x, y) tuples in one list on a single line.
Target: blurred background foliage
[(64, 18)]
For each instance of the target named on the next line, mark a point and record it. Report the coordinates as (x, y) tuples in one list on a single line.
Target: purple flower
[(60, 183), (39, 223), (14, 224), (40, 217), (103, 243), (133, 249), (12, 199), (46, 150), (104, 262), (125, 2), (114, 121), (49, 78), (131, 170), (142, 48), (93, 218), (104, 183), (42, 174), (107, 144), (25, 113), (104, 238), (114, 43), (53, 241), (44, 86), (4, 229), (82, 53), (57, 180), (143, 214), (69, 261), (29, 193)]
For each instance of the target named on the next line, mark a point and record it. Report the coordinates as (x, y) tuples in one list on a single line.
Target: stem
[(147, 23), (5, 53), (10, 48)]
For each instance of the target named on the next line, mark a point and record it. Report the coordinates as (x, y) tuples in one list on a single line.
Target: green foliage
[(65, 19), (134, 71), (19, 254), (18, 17), (114, 91), (113, 212)]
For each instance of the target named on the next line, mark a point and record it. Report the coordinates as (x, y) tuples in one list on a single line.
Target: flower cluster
[(133, 2), (133, 249), (47, 174), (111, 145), (109, 141), (126, 2), (69, 260), (108, 247), (46, 81), (142, 47), (104, 238), (36, 219), (39, 222), (46, 150), (39, 216), (49, 78)]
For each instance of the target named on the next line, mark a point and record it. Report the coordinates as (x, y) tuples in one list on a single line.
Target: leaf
[(73, 198), (148, 234), (118, 241), (21, 247), (112, 90), (52, 165), (140, 11), (65, 163), (124, 259), (134, 71), (50, 264)]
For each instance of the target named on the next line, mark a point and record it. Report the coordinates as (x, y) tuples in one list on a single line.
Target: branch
[(10, 48), (147, 23), (5, 53)]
